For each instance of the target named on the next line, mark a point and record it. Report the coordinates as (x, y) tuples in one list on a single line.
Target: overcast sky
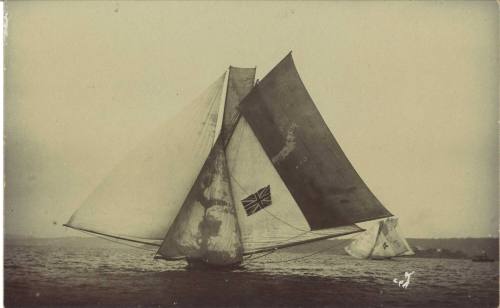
[(409, 90)]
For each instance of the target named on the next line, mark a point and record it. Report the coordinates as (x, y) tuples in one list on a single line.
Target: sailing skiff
[(246, 168), (381, 241)]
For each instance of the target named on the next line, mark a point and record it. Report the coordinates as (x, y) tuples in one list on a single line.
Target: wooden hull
[(197, 264), (380, 258)]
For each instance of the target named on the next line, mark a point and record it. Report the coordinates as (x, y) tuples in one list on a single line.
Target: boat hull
[(197, 264), (483, 260)]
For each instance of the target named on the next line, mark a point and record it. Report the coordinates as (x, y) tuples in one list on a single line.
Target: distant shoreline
[(444, 248), (20, 236)]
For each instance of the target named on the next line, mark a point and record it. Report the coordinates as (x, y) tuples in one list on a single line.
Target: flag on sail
[(257, 201), (281, 141), (282, 224)]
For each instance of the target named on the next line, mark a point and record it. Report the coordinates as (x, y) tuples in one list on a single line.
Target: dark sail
[(311, 163), (239, 83)]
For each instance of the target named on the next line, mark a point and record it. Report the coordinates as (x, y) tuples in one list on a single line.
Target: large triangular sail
[(305, 154), (142, 195), (279, 225)]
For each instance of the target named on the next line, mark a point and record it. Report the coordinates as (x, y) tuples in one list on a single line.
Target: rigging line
[(112, 236), (266, 253), (258, 257), (303, 257), (114, 241)]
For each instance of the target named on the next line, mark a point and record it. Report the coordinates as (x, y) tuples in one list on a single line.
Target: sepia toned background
[(409, 89)]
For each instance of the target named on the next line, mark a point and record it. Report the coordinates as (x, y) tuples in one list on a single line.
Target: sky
[(409, 89)]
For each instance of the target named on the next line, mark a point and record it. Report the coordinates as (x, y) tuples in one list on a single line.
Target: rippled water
[(51, 276)]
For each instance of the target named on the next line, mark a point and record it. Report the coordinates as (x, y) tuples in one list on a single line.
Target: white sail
[(362, 246), (381, 241), (143, 194), (280, 224), (389, 242)]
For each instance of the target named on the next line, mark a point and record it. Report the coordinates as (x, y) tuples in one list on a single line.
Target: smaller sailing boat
[(379, 242)]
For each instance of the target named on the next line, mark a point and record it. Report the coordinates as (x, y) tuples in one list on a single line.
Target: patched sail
[(305, 154), (206, 227), (380, 241), (278, 224), (143, 194)]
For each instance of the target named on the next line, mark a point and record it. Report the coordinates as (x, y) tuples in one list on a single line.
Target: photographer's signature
[(404, 283)]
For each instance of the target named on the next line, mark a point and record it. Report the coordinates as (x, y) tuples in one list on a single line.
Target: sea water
[(57, 275)]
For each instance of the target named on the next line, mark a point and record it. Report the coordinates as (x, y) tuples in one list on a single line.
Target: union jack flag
[(258, 201)]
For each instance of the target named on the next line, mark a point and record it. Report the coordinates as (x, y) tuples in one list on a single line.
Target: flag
[(257, 201)]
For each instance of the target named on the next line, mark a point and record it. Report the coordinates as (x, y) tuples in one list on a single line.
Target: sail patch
[(288, 147), (257, 201), (206, 227)]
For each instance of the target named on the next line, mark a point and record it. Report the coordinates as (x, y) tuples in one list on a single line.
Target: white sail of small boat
[(273, 177), (381, 241)]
